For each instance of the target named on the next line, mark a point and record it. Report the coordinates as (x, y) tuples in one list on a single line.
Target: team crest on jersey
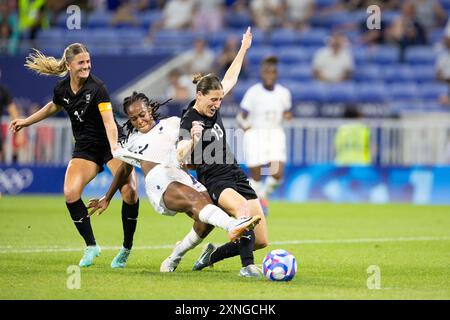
[(160, 129), (88, 98)]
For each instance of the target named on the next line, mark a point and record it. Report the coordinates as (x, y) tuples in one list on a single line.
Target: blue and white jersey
[(158, 145)]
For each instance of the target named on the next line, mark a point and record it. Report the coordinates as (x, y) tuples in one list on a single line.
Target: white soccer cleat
[(242, 225)]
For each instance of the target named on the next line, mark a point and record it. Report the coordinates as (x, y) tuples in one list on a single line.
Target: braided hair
[(151, 105)]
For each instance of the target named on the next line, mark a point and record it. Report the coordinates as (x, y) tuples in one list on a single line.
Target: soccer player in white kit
[(264, 107), (151, 145)]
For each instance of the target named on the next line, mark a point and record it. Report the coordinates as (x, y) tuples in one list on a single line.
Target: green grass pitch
[(334, 244)]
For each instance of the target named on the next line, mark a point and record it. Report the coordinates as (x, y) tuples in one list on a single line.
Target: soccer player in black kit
[(202, 143), (85, 99)]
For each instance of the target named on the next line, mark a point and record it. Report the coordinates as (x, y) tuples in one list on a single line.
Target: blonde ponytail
[(51, 66)]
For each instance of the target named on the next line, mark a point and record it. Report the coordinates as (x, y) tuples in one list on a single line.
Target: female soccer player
[(203, 140), (85, 98), (151, 145), (264, 106)]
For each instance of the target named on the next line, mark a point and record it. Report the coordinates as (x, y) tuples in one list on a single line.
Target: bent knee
[(129, 193), (71, 194)]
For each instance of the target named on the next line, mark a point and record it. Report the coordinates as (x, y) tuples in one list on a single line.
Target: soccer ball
[(279, 265)]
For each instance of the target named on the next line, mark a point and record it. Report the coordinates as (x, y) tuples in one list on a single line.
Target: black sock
[(246, 245), (129, 222), (80, 218), (227, 250)]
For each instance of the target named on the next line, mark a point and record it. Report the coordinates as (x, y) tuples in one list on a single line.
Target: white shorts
[(262, 146), (159, 178)]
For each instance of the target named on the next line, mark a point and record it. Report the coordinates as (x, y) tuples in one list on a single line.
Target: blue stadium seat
[(371, 92), (420, 55), (237, 21), (52, 35), (432, 91), (130, 36), (423, 73), (147, 18), (314, 37), (241, 87), (298, 72), (367, 73), (313, 91), (175, 38), (403, 91), (283, 37), (104, 36), (331, 21), (258, 53), (340, 93), (384, 55), (99, 19), (292, 55), (397, 73)]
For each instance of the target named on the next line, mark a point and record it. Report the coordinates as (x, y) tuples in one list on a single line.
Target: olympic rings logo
[(13, 181)]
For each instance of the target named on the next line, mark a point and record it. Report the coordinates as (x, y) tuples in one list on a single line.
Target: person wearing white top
[(264, 107), (333, 63), (151, 145)]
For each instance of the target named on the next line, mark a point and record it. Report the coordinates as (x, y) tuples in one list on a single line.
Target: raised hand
[(247, 39)]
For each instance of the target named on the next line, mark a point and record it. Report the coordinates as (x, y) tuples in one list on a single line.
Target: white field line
[(49, 249)]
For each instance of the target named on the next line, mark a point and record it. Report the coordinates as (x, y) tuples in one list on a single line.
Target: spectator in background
[(19, 139), (126, 12), (430, 14), (298, 13), (352, 141), (180, 88), (177, 15), (33, 16), (333, 63), (200, 58), (9, 29), (406, 30), (267, 14), (209, 15), (442, 66)]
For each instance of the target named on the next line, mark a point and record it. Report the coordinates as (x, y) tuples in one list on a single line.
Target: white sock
[(190, 241), (215, 216), (271, 185)]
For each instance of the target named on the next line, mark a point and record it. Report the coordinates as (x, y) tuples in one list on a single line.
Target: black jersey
[(212, 155), (83, 109)]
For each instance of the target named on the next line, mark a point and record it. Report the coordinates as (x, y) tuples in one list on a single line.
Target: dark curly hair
[(152, 106)]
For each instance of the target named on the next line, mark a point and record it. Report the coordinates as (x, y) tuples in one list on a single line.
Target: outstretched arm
[(231, 76), (48, 110), (120, 178)]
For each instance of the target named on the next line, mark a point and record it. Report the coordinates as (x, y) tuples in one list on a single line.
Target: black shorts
[(100, 154), (234, 179)]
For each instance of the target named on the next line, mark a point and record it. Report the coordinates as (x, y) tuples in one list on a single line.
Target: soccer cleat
[(89, 254), (169, 265), (120, 260), (250, 271), (242, 225), (205, 258), (264, 205)]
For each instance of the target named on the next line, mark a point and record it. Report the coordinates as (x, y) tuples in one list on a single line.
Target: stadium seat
[(432, 91), (314, 37), (130, 36), (175, 38), (306, 91), (147, 18), (292, 55), (402, 91), (367, 73), (340, 93), (397, 73), (298, 72), (237, 20), (258, 53), (383, 55), (370, 92), (99, 19), (423, 73), (420, 55), (104, 36), (283, 37)]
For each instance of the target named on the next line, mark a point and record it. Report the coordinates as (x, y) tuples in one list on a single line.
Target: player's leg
[(182, 198), (236, 204), (130, 212), (78, 174), (276, 170), (194, 237)]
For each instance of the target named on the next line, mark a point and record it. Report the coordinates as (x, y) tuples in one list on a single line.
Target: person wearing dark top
[(202, 143), (7, 101), (86, 100)]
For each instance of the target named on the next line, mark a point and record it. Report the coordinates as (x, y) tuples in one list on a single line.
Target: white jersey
[(158, 145), (265, 108)]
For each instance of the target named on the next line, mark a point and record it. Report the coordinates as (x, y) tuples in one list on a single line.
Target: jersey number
[(217, 130), (141, 149)]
